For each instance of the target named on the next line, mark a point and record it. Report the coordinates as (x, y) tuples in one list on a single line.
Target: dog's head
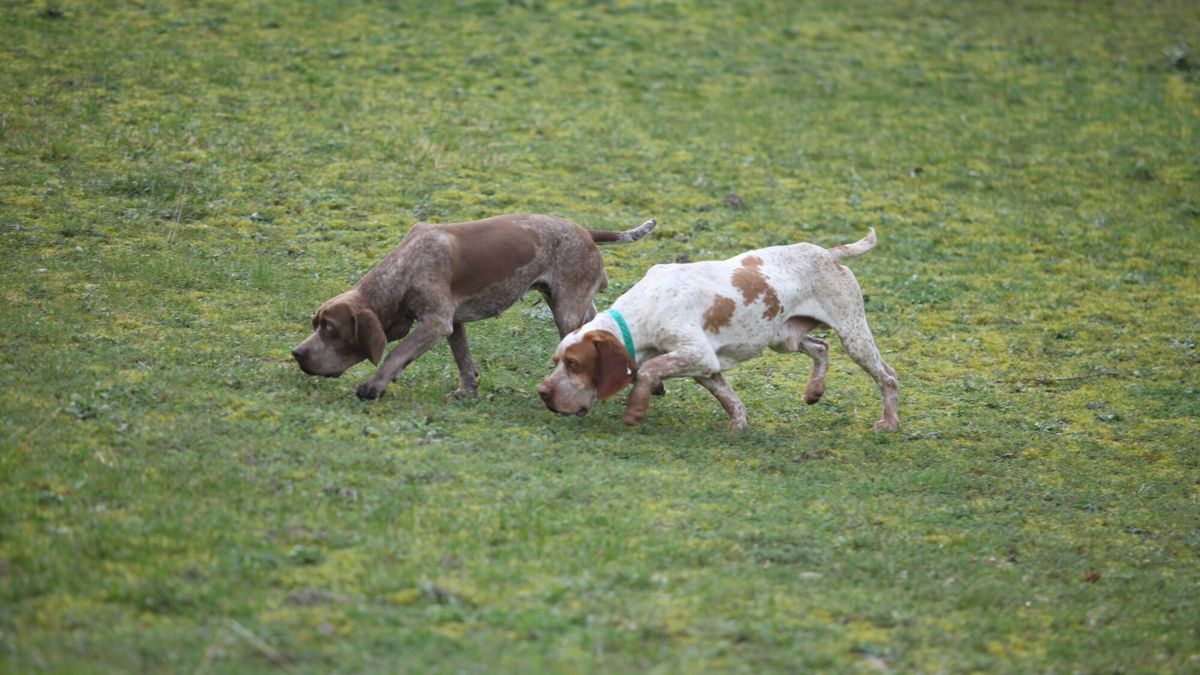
[(345, 331), (588, 367)]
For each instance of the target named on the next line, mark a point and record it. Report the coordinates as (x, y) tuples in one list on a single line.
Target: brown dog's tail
[(606, 237), (857, 248)]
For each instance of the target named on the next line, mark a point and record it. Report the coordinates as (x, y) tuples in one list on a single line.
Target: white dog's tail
[(857, 248)]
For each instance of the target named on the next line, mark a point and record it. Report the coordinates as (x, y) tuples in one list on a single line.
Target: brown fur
[(360, 326), (481, 255), (442, 276), (345, 331), (614, 367), (749, 280), (600, 361), (719, 315), (581, 363), (603, 237), (597, 364)]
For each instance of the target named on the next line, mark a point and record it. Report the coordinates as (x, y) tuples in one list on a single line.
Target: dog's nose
[(298, 353), (546, 393)]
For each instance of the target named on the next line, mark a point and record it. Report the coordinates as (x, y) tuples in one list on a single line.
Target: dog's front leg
[(682, 361), (427, 333), (468, 384), (719, 387)]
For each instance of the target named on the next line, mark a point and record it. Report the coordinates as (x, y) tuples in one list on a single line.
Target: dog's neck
[(605, 322)]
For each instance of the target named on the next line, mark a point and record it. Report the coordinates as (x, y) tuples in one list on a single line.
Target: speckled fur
[(443, 276), (669, 315)]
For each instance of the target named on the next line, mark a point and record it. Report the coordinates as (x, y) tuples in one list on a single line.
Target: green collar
[(625, 334)]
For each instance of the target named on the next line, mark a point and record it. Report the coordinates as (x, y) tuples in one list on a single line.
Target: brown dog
[(442, 276)]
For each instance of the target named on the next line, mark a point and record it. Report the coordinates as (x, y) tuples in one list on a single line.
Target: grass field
[(183, 183)]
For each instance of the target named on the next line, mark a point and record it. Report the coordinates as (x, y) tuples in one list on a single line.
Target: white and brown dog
[(700, 319)]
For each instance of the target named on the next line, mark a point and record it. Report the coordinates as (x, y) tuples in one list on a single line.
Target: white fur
[(665, 312)]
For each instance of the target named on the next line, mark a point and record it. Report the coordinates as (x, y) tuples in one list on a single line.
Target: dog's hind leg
[(860, 345), (793, 337), (818, 350)]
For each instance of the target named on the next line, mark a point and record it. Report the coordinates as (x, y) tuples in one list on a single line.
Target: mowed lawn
[(183, 183)]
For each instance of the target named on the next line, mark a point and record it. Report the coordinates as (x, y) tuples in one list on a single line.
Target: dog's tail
[(606, 237), (857, 248)]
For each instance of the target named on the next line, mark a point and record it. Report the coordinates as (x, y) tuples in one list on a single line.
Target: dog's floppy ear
[(614, 367), (368, 335)]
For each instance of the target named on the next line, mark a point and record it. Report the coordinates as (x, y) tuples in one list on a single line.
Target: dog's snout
[(545, 392), (299, 352)]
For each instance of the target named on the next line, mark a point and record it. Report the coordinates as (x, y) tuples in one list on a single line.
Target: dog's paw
[(738, 424), (639, 400), (887, 425), (370, 390), (465, 392)]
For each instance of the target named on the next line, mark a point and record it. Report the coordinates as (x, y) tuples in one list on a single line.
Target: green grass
[(183, 183)]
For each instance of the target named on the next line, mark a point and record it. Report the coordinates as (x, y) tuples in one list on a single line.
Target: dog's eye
[(573, 365)]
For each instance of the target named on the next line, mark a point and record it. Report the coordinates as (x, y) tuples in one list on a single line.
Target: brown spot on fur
[(603, 363), (719, 315), (583, 353), (614, 367), (749, 280), (483, 254)]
